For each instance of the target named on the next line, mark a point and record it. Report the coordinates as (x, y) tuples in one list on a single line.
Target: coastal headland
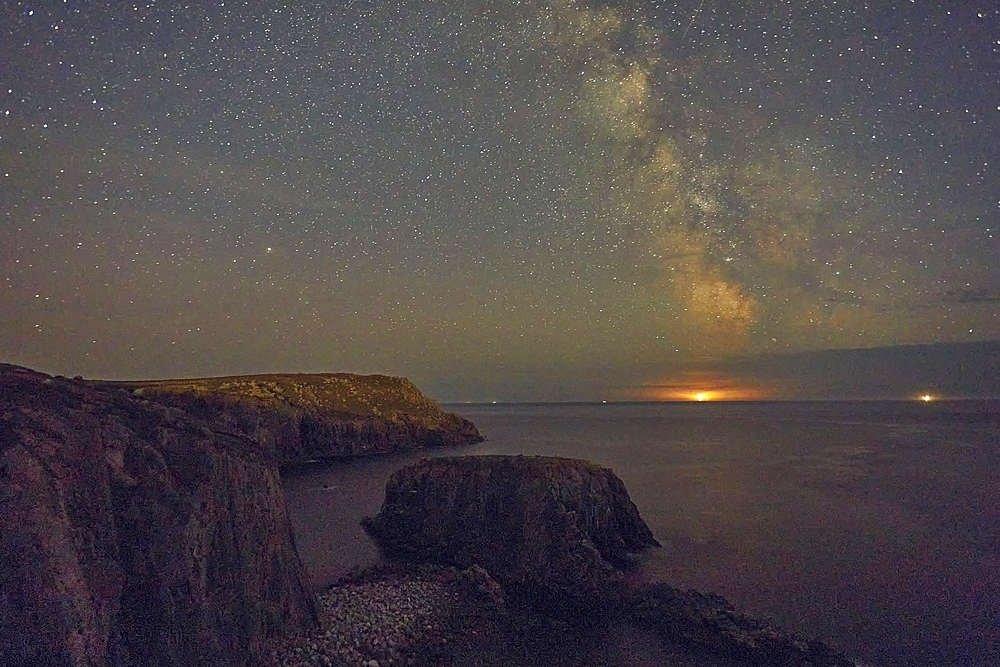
[(300, 417), (145, 523)]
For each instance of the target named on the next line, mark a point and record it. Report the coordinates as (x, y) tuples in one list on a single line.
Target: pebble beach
[(391, 620)]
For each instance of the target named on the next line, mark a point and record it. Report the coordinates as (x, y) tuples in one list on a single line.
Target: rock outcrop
[(708, 625), (557, 531), (305, 416), (558, 535), (133, 533)]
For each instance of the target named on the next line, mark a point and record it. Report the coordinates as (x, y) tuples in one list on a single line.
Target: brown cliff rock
[(554, 530), (298, 417), (136, 534)]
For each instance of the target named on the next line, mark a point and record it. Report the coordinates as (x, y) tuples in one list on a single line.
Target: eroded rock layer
[(134, 533)]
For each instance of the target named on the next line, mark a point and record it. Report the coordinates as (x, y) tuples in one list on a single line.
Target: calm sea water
[(874, 525)]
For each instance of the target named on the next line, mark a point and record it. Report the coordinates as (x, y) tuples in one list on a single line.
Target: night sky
[(500, 200)]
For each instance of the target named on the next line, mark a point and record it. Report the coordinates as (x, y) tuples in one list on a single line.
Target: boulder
[(133, 533), (554, 531)]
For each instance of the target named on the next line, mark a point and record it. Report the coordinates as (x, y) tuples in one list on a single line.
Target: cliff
[(300, 417), (555, 530), (134, 533), (562, 537)]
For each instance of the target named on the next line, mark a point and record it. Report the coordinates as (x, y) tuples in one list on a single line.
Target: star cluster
[(534, 199)]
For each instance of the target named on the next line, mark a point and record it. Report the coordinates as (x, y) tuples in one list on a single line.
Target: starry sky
[(502, 200)]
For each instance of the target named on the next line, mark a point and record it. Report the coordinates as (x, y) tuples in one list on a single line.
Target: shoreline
[(404, 615), (528, 560)]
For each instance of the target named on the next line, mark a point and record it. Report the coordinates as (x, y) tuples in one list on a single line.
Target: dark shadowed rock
[(557, 531), (709, 625), (558, 535), (136, 534), (298, 417)]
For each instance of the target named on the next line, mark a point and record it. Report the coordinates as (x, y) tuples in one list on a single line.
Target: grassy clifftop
[(297, 417), (339, 393)]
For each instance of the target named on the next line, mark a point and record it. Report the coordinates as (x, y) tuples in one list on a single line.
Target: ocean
[(874, 526)]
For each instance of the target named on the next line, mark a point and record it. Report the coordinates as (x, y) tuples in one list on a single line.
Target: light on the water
[(925, 397)]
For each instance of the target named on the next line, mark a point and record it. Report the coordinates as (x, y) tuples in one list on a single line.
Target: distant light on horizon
[(700, 387), (926, 398)]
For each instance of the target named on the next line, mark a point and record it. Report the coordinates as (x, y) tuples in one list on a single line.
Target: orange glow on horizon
[(668, 393), (702, 386)]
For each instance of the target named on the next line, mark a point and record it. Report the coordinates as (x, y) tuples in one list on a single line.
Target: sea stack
[(557, 531), (558, 535)]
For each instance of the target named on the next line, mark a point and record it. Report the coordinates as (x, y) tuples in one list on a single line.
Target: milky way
[(497, 199)]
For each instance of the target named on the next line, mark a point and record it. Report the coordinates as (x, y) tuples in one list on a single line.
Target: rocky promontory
[(562, 539), (299, 417), (145, 523)]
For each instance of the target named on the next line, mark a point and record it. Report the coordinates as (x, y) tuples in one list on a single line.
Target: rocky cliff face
[(554, 530), (134, 533), (300, 417), (558, 535)]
